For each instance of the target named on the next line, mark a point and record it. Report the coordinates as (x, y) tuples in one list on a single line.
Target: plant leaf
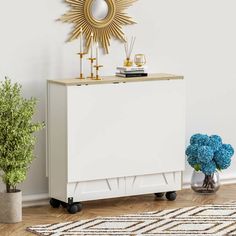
[(197, 167)]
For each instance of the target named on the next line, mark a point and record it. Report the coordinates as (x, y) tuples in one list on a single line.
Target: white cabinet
[(115, 137)]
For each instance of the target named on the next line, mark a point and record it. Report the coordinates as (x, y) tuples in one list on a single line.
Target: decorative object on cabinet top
[(115, 79), (91, 58), (128, 51), (128, 69), (129, 72), (103, 18), (140, 60)]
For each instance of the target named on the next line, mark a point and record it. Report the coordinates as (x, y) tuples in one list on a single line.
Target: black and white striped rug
[(203, 220)]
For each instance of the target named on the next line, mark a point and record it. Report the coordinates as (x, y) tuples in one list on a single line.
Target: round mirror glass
[(99, 9)]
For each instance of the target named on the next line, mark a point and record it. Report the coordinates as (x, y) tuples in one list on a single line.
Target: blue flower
[(222, 158), (215, 142), (208, 153), (192, 161), (228, 148), (223, 164), (192, 151), (199, 139), (222, 153), (205, 154), (208, 168)]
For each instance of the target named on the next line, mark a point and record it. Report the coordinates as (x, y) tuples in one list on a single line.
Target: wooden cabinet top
[(115, 79)]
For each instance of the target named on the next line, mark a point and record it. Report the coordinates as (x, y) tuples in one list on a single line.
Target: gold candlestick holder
[(91, 73), (81, 54), (97, 77)]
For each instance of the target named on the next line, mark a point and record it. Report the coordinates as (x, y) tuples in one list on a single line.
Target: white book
[(127, 69)]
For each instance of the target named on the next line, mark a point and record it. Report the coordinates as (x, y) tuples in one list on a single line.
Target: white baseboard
[(35, 200), (43, 199)]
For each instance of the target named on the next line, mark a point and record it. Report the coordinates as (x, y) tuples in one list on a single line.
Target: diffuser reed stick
[(128, 50)]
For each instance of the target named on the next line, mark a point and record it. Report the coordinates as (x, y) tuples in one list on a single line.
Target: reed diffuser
[(128, 51)]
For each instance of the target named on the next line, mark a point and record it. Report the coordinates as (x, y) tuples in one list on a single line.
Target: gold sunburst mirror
[(103, 18)]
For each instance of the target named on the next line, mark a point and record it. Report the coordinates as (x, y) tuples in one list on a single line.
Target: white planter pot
[(10, 207)]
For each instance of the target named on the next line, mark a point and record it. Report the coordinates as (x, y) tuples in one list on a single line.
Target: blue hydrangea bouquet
[(208, 154)]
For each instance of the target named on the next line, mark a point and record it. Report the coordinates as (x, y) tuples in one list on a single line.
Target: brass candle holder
[(92, 59), (97, 77), (81, 54)]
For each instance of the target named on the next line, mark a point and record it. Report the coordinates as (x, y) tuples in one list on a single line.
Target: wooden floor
[(113, 207)]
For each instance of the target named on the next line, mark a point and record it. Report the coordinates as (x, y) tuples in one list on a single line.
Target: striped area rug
[(203, 220)]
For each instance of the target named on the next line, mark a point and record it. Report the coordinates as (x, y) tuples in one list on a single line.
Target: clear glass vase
[(205, 184)]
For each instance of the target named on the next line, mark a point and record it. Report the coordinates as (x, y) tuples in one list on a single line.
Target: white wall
[(196, 38)]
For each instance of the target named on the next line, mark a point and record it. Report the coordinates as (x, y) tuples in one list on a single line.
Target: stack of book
[(128, 72)]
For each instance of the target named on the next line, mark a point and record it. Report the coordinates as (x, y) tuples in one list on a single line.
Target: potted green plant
[(17, 143)]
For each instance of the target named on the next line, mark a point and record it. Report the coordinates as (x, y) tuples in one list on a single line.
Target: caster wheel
[(55, 203), (74, 208), (64, 204), (79, 205), (159, 194), (171, 196)]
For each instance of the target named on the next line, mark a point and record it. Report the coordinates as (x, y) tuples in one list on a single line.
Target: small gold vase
[(128, 62)]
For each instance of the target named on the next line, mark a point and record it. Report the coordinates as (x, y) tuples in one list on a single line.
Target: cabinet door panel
[(117, 130), (96, 189), (154, 183)]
